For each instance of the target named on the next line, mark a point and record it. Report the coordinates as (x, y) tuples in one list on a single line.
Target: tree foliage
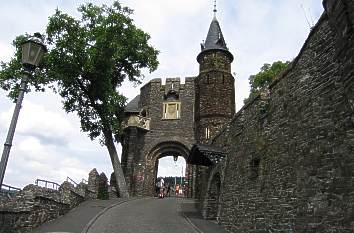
[(263, 78), (87, 62), (90, 59)]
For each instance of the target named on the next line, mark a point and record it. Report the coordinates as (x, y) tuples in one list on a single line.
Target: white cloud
[(31, 160), (35, 120), (48, 145), (7, 50)]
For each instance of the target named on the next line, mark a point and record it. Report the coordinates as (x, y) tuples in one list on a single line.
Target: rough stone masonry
[(289, 164), (29, 208)]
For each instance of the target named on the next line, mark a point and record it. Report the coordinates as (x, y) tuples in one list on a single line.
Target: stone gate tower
[(214, 98), (214, 86), (170, 119)]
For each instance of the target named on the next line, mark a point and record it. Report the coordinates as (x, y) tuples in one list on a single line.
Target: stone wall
[(211, 201), (71, 195), (34, 205), (290, 163), (92, 184)]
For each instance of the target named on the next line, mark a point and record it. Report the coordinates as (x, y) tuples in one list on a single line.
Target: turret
[(214, 86)]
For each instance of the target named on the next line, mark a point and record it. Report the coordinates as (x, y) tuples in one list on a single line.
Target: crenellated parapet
[(141, 110), (170, 84)]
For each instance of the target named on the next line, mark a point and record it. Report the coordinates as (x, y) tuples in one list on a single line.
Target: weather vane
[(215, 8)]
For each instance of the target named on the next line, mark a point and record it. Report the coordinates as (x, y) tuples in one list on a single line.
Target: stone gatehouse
[(167, 120), (284, 162), (159, 123)]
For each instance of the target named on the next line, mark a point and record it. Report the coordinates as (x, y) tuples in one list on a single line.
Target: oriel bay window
[(171, 110)]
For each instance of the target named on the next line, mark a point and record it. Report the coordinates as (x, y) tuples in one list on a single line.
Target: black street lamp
[(175, 158), (33, 50)]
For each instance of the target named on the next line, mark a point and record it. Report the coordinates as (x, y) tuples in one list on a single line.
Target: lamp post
[(182, 176), (175, 157), (33, 50)]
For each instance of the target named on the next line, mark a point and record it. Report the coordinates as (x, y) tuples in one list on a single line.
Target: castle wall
[(290, 166)]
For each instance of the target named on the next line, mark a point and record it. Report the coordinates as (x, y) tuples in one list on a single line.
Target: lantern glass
[(32, 53)]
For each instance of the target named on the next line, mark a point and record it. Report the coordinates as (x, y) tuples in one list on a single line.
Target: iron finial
[(215, 10)]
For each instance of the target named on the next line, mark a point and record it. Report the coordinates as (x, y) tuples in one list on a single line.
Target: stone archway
[(168, 148), (212, 198)]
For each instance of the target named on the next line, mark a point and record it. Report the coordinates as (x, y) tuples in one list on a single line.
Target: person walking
[(177, 189), (157, 188), (162, 186)]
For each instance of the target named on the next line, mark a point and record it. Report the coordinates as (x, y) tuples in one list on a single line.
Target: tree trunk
[(117, 168)]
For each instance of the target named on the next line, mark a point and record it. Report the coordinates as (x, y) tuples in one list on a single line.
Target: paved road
[(148, 215), (77, 218)]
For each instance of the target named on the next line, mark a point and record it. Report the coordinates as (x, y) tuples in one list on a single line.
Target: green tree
[(262, 79), (88, 60)]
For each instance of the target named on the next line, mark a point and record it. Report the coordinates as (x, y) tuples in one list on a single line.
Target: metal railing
[(68, 179), (9, 189), (52, 185)]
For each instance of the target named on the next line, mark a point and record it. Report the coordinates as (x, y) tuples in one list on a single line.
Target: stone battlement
[(171, 84)]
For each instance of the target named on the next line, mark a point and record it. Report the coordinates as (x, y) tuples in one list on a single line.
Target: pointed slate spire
[(215, 39)]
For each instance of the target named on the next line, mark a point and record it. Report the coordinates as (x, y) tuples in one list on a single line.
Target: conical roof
[(214, 40)]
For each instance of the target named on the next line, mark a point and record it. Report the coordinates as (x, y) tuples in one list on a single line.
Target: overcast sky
[(48, 143)]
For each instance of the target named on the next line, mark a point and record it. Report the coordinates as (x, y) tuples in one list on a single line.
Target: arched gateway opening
[(162, 150), (172, 169)]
